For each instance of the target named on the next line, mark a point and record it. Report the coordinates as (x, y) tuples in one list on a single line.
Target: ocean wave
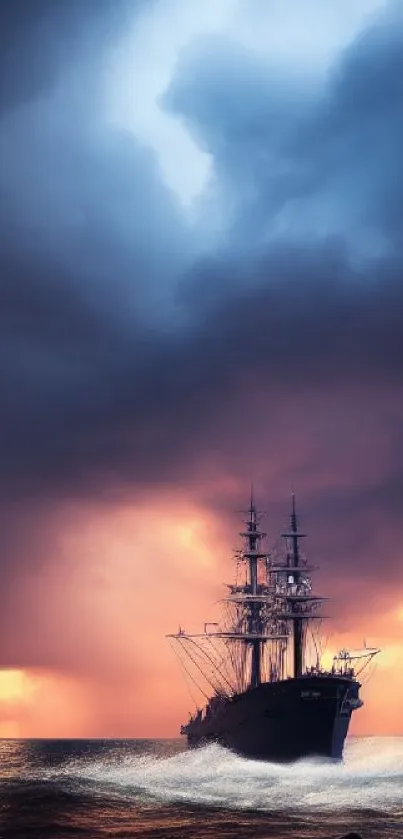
[(370, 777)]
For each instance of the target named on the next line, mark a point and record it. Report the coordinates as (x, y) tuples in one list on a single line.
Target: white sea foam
[(371, 776)]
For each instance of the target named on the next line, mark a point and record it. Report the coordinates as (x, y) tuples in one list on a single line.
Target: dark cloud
[(297, 160), (39, 39), (126, 358)]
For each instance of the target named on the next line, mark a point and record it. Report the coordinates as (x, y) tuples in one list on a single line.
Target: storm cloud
[(111, 335), (144, 346)]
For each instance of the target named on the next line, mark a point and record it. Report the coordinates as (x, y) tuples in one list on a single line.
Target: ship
[(266, 694)]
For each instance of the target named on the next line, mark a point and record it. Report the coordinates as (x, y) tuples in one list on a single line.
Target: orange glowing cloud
[(34, 704), (88, 656), (91, 624)]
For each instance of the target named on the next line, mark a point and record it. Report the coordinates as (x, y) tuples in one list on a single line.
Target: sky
[(201, 283)]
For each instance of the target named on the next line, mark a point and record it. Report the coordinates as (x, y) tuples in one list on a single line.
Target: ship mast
[(256, 625), (292, 582), (294, 559), (279, 603), (252, 554), (271, 608)]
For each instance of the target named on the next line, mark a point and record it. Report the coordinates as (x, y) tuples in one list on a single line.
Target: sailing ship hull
[(282, 721)]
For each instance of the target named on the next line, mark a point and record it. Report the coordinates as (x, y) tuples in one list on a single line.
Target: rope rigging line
[(205, 653), (223, 662), (183, 667), (204, 675)]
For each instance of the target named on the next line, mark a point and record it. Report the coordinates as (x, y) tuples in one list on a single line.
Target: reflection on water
[(156, 788)]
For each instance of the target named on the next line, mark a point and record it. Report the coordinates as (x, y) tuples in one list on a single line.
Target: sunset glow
[(120, 580), (14, 685)]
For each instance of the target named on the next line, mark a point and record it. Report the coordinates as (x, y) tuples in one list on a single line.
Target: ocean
[(157, 789)]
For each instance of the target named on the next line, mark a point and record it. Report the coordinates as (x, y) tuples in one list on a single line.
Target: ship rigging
[(264, 618)]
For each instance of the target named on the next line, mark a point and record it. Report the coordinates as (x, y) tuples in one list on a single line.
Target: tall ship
[(266, 694)]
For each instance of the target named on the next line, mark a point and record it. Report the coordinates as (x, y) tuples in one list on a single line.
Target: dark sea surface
[(158, 789)]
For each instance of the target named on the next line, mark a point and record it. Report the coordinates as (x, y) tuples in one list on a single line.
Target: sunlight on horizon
[(15, 684)]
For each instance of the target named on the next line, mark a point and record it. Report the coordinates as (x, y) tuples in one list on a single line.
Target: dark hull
[(282, 721)]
